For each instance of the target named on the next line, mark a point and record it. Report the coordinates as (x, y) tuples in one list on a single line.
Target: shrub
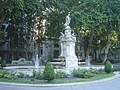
[(9, 76), (60, 74), (82, 73), (116, 68), (3, 73), (37, 75), (101, 71), (49, 73), (3, 63), (108, 66), (95, 71), (21, 75), (6, 75), (33, 74)]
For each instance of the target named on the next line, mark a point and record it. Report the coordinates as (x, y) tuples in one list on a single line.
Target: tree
[(87, 19), (20, 19), (3, 4), (95, 22), (96, 18), (111, 23)]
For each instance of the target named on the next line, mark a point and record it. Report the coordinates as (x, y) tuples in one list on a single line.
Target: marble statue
[(67, 23), (67, 42)]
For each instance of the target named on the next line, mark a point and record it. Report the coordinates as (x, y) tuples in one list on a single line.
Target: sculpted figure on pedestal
[(67, 23)]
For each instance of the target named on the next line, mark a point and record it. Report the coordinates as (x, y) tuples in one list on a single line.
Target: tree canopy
[(95, 22)]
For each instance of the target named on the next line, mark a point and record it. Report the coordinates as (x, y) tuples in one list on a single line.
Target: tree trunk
[(87, 58), (95, 55), (83, 52), (106, 51), (27, 54), (107, 48), (12, 55), (87, 51), (39, 50)]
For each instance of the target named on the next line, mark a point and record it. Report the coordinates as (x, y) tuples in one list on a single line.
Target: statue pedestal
[(71, 62)]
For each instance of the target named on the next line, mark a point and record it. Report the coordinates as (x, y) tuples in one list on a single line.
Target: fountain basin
[(29, 69), (24, 69)]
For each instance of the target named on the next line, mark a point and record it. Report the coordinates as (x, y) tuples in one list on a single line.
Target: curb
[(59, 85)]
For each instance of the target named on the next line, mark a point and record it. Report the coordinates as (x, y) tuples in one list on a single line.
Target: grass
[(97, 77)]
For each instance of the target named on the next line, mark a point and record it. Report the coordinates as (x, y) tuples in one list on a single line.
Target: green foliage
[(0, 61), (21, 75), (60, 74), (9, 76), (49, 73), (37, 75), (3, 63), (6, 75), (1, 34), (98, 19), (82, 73), (94, 71), (20, 17), (2, 73), (108, 66), (101, 71), (116, 68)]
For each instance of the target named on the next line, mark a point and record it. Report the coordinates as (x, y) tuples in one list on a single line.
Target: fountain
[(36, 62), (67, 41)]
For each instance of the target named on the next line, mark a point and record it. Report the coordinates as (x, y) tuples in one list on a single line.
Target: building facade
[(49, 50)]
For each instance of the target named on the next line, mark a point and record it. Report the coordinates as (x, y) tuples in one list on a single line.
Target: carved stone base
[(71, 62)]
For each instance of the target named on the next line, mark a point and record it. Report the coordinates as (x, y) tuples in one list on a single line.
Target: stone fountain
[(36, 62), (67, 41)]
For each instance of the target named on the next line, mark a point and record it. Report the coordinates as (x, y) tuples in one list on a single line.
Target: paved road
[(107, 85)]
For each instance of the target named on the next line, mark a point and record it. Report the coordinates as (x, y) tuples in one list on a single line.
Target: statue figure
[(62, 35), (68, 33), (67, 20)]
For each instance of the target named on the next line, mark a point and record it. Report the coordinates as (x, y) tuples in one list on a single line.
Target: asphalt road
[(106, 85)]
